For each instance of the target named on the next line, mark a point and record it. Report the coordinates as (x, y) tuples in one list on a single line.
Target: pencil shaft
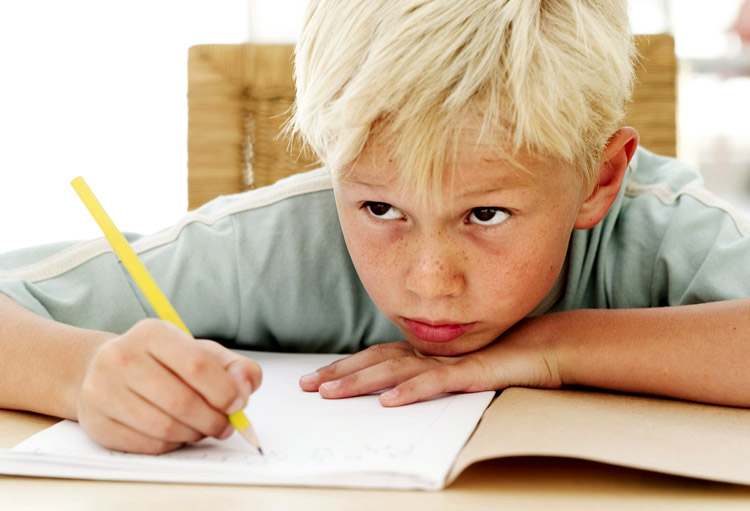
[(147, 284)]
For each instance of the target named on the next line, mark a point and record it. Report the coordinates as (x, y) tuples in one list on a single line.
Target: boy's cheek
[(376, 257)]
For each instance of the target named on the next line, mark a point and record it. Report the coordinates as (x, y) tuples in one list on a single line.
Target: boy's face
[(455, 273)]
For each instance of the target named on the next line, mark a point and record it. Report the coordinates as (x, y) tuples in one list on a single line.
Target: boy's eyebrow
[(504, 183), (501, 183), (352, 179)]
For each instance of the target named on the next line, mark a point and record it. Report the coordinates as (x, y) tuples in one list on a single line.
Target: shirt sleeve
[(667, 241), (266, 270), (84, 284)]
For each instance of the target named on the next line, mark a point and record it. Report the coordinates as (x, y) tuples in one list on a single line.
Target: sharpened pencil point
[(248, 434)]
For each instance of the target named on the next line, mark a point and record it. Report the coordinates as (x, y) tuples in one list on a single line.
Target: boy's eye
[(383, 210), (488, 216)]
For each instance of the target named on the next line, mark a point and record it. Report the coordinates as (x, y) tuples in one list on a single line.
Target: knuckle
[(393, 365), (350, 380), (163, 428), (375, 352), (398, 349), (329, 372), (196, 364), (440, 374), (437, 379), (390, 349), (402, 346), (145, 328), (114, 354), (181, 405), (377, 348), (149, 323)]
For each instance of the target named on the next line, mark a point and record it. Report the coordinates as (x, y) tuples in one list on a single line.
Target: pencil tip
[(249, 435)]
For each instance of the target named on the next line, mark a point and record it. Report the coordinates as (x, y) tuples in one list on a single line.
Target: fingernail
[(226, 433), (330, 385), (310, 379), (391, 394)]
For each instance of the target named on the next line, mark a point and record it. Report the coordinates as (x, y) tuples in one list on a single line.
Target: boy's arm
[(43, 361), (693, 352), (148, 390)]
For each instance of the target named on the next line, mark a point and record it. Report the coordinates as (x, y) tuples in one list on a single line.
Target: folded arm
[(692, 352)]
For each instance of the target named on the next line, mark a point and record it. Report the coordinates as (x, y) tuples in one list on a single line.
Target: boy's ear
[(615, 160)]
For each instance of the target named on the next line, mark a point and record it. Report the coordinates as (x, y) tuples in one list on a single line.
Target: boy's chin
[(446, 349)]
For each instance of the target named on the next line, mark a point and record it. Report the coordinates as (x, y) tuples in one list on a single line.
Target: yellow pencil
[(146, 283)]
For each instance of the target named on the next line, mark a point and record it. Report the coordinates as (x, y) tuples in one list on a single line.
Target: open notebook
[(357, 443)]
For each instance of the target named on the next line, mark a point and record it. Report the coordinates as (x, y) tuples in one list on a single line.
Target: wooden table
[(519, 483)]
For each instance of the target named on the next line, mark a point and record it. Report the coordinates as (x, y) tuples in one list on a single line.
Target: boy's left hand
[(515, 359)]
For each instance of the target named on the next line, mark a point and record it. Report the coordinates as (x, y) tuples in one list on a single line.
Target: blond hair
[(549, 78)]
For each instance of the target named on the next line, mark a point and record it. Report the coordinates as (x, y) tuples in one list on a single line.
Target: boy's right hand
[(155, 388)]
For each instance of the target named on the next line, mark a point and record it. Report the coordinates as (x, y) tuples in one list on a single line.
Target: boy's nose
[(434, 276)]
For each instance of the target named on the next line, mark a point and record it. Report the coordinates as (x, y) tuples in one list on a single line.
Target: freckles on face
[(452, 278)]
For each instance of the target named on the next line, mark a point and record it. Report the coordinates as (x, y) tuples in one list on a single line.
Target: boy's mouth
[(437, 331)]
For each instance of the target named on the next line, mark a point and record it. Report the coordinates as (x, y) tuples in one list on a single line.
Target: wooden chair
[(239, 96)]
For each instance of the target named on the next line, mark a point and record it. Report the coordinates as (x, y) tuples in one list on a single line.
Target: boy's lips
[(437, 331)]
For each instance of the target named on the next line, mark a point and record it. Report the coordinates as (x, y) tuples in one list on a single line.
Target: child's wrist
[(554, 343), (84, 349)]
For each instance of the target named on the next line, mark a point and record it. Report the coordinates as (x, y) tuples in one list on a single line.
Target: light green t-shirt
[(268, 269)]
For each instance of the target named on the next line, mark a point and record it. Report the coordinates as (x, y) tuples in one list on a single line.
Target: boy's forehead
[(473, 167), (474, 163)]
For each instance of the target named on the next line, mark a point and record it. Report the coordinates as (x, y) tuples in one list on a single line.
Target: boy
[(481, 201)]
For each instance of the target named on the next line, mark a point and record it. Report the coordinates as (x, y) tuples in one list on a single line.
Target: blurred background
[(98, 89)]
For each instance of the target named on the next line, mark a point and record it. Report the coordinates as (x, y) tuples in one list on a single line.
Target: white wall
[(98, 88)]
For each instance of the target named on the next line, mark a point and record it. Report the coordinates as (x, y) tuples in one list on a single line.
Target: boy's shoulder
[(650, 171), (297, 185), (665, 241), (307, 197), (661, 186)]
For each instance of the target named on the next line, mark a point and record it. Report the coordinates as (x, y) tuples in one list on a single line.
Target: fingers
[(200, 366), (120, 437), (172, 400), (519, 358), (357, 362), (380, 376), (413, 377), (154, 388), (473, 373), (376, 368), (457, 377), (145, 428), (148, 419)]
